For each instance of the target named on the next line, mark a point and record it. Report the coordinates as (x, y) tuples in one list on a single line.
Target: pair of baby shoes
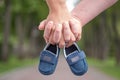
[(75, 58)]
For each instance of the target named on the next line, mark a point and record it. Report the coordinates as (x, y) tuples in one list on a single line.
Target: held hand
[(71, 32), (76, 28), (53, 27), (61, 28)]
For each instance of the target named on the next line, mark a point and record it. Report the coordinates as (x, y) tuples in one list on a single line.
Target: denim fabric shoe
[(76, 60), (48, 59)]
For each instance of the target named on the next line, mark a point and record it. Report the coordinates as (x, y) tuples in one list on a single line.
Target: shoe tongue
[(76, 51), (51, 53), (73, 53)]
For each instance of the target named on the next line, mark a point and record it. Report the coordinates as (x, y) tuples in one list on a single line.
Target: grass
[(15, 63), (107, 67)]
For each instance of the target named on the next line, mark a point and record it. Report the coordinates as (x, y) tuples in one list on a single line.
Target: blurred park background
[(21, 41)]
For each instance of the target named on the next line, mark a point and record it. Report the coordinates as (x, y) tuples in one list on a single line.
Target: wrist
[(77, 18), (53, 2), (56, 5)]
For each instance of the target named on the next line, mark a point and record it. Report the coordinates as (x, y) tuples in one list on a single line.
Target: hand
[(73, 26), (54, 34), (58, 19), (52, 27), (76, 28)]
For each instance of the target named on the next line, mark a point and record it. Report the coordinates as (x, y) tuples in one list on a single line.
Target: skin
[(63, 27)]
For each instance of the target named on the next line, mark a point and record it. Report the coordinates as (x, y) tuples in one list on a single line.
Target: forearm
[(56, 5), (58, 11), (86, 10)]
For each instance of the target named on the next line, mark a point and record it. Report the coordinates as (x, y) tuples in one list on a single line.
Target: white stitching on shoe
[(74, 59)]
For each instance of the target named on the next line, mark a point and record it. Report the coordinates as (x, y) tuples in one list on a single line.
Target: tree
[(102, 38), (28, 14), (116, 37), (96, 41), (6, 34)]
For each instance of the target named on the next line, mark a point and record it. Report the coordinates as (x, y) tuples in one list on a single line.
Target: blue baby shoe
[(76, 60), (48, 59)]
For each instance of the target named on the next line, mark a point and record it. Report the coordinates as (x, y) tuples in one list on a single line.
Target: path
[(62, 73)]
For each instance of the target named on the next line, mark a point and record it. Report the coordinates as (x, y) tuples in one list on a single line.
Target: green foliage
[(16, 6), (1, 15), (107, 66), (0, 49), (43, 9), (30, 6), (31, 11)]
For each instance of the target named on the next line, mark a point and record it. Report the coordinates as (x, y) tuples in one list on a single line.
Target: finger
[(46, 40), (68, 45), (72, 40), (51, 41), (79, 35), (57, 33), (62, 42), (48, 29), (66, 31), (78, 38), (42, 25), (75, 27)]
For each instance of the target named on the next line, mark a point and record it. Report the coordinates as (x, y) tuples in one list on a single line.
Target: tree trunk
[(102, 38), (96, 41), (20, 35), (7, 24), (90, 41), (35, 41), (116, 38), (33, 46)]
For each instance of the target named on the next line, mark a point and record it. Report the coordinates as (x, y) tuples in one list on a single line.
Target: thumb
[(42, 25)]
